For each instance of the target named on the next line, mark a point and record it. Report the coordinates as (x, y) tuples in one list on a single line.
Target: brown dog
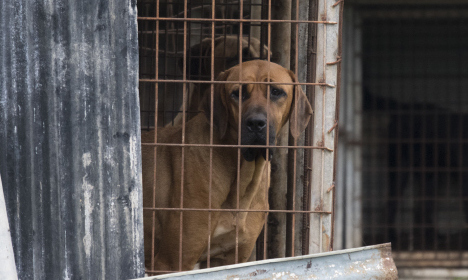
[(226, 55), (195, 181)]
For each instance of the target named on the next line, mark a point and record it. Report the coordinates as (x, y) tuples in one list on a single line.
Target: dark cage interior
[(415, 114), (184, 46)]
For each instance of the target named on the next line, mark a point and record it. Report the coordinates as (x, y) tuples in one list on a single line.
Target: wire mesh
[(184, 46)]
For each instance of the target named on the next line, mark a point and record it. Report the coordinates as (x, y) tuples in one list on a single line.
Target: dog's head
[(262, 108), (226, 55)]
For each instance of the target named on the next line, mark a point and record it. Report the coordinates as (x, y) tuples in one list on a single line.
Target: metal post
[(281, 32), (324, 125)]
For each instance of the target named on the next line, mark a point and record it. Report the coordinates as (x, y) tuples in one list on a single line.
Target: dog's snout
[(256, 124)]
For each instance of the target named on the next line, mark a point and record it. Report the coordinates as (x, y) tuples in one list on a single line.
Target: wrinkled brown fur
[(226, 55)]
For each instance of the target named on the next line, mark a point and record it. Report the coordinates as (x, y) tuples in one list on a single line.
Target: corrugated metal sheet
[(371, 262), (69, 137)]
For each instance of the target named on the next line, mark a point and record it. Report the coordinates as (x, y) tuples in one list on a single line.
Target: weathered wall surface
[(69, 137)]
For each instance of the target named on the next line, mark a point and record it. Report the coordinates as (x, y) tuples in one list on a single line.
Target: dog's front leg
[(194, 235)]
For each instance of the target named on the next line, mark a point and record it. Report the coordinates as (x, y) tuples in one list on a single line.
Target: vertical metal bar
[(411, 181), (184, 101), (265, 236), (156, 91), (294, 158), (239, 41), (213, 8), (373, 169), (281, 54), (400, 160), (322, 181), (292, 155), (387, 151), (337, 115), (236, 253), (460, 133), (167, 37), (424, 171), (342, 174), (148, 37), (312, 14), (448, 184), (435, 159), (260, 246)]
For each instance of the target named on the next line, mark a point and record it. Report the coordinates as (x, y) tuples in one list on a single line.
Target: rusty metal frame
[(323, 127), (326, 100)]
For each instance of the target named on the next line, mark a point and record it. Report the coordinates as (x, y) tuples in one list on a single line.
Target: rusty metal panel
[(371, 262), (69, 138)]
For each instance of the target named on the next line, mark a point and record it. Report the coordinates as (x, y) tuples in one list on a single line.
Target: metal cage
[(303, 36)]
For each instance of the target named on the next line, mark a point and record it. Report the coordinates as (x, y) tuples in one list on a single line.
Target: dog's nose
[(256, 124)]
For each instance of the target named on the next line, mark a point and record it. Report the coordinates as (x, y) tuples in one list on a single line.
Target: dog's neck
[(248, 183), (251, 175)]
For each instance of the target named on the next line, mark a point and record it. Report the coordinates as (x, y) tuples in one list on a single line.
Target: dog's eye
[(235, 94), (276, 93)]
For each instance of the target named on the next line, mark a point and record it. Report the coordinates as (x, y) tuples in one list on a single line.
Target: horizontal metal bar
[(233, 20), (423, 169), (418, 226), (178, 31), (235, 146), (229, 82), (427, 199), (418, 140), (233, 210), (154, 272)]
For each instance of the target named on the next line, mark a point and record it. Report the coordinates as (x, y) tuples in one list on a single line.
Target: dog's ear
[(198, 58), (301, 111), (219, 110)]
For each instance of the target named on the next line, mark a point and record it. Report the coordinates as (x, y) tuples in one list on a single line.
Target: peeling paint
[(86, 159), (88, 210), (133, 154), (109, 155)]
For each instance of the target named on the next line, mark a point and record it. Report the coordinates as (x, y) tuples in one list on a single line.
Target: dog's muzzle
[(254, 132)]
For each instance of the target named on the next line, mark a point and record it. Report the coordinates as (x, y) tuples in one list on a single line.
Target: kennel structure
[(401, 164), (303, 36), (70, 122)]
